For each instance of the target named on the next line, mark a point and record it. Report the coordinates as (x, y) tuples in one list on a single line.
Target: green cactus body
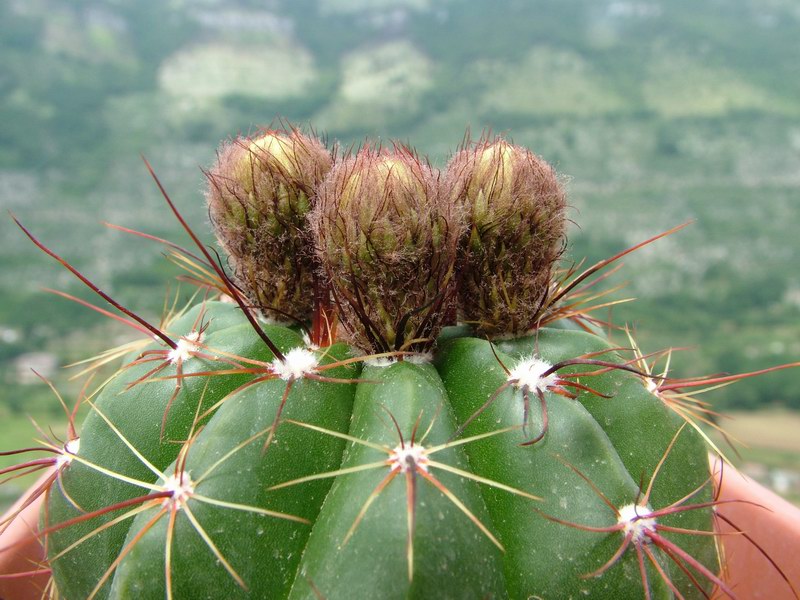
[(265, 559), (640, 427), (615, 442), (449, 554), (137, 413), (371, 489)]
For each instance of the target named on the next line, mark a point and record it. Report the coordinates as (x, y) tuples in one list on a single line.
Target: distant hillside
[(658, 112)]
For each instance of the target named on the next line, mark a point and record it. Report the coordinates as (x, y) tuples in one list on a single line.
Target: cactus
[(398, 454)]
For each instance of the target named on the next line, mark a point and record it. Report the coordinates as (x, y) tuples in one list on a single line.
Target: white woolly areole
[(296, 364), (184, 348), (71, 448), (181, 487), (529, 372), (651, 385), (637, 522), (423, 358), (408, 457), (383, 361)]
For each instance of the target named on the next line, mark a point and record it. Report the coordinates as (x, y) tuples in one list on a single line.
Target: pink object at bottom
[(774, 524)]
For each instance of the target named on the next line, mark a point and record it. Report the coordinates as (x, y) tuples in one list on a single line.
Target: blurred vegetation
[(658, 112)]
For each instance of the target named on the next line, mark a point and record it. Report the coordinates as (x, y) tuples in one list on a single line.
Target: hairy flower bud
[(259, 196), (387, 239), (514, 208)]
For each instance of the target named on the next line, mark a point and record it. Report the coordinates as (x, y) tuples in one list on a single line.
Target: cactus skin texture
[(443, 465)]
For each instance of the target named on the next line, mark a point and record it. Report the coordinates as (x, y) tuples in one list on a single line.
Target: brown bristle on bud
[(387, 239), (514, 206), (259, 195)]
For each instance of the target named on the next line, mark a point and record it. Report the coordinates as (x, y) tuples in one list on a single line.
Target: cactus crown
[(386, 233)]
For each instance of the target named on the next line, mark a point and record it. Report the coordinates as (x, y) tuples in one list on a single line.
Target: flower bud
[(387, 240), (259, 196), (514, 208)]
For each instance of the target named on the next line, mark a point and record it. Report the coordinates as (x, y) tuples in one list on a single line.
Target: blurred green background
[(659, 112)]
